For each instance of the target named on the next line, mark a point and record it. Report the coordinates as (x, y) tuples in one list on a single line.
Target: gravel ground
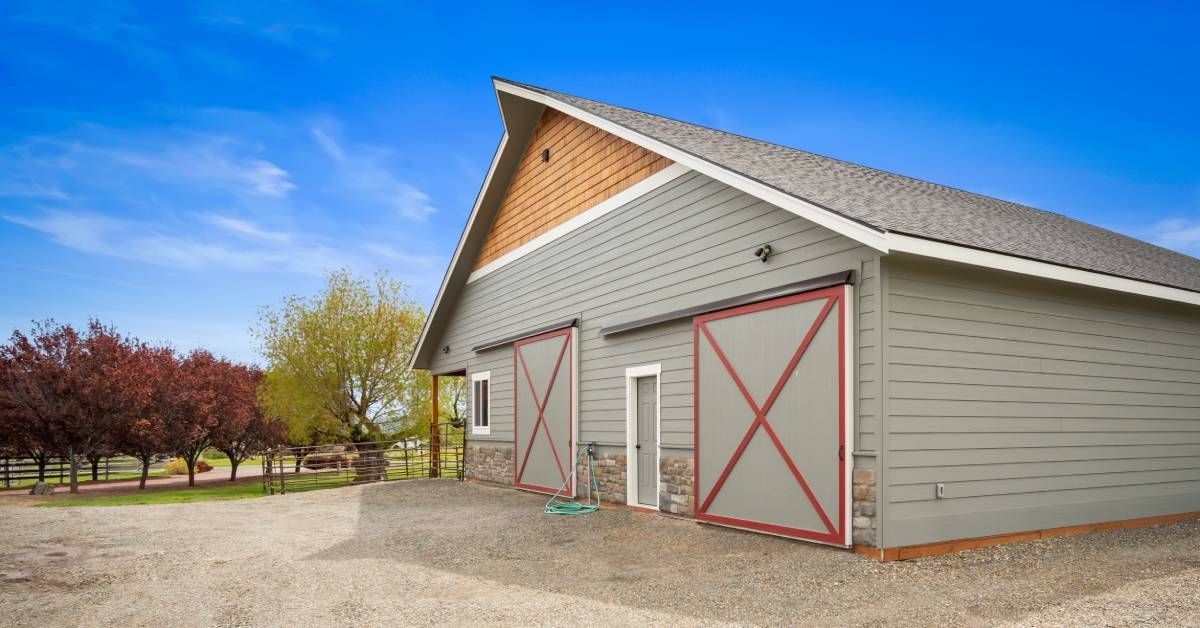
[(425, 552)]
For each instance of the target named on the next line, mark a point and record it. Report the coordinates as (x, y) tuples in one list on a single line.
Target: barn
[(768, 339)]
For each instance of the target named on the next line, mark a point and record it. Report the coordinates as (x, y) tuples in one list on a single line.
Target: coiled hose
[(557, 506)]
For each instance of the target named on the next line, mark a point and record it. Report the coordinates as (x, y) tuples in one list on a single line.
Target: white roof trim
[(462, 239), (898, 243), (854, 230), (601, 209)]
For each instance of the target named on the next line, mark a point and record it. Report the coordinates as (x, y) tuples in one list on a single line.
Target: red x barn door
[(770, 416), (544, 431)]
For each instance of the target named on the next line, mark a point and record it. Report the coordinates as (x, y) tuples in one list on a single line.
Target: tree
[(145, 436), (346, 352), (190, 407), (38, 386), (105, 389), (25, 430), (243, 429)]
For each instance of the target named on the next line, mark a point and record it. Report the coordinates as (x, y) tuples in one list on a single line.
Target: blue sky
[(171, 167)]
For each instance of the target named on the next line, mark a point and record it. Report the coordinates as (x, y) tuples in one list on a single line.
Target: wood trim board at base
[(949, 547)]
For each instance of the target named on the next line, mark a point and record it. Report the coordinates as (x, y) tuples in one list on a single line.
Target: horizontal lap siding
[(687, 243), (1037, 404)]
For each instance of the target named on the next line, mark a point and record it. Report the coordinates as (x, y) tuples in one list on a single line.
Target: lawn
[(244, 490), (86, 477)]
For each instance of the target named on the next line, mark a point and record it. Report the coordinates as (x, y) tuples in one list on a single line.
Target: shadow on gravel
[(652, 562)]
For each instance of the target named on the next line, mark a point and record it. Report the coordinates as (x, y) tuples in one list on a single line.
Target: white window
[(481, 403)]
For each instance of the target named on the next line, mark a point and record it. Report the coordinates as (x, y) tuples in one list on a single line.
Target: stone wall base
[(676, 491), (610, 474), (488, 463), (863, 507)]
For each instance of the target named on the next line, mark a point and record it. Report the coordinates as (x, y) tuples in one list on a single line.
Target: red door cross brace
[(541, 406), (760, 415)]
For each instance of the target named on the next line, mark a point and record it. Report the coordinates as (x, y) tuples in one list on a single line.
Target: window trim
[(476, 429)]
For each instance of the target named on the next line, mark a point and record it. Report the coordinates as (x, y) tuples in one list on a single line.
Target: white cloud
[(392, 254), (213, 161), (143, 242), (329, 145), (363, 171), (246, 228), (1181, 234)]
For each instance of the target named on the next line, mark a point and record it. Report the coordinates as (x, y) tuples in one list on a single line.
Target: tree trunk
[(191, 465), (145, 473), (74, 471), (233, 465), (41, 464), (371, 464), (95, 460)]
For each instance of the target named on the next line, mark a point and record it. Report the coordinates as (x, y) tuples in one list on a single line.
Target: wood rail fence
[(17, 472)]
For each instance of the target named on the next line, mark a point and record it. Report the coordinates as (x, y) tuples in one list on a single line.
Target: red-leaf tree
[(106, 389), (144, 437), (24, 427), (243, 430), (36, 388), (192, 405)]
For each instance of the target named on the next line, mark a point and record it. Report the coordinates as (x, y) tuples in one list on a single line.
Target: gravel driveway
[(430, 551)]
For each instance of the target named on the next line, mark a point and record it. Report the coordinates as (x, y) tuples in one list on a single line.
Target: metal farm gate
[(544, 399), (770, 416)]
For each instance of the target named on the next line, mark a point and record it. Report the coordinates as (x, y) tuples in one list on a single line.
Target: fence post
[(7, 482)]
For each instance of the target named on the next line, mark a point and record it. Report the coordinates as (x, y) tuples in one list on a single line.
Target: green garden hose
[(557, 506)]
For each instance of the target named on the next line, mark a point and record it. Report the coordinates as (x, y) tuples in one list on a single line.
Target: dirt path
[(438, 552)]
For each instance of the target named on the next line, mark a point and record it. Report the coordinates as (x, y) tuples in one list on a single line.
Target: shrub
[(178, 466)]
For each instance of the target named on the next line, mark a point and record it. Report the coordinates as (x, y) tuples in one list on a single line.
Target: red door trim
[(835, 296), (541, 421)]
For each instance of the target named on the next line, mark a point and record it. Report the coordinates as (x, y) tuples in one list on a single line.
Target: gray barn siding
[(1039, 405), (686, 243)]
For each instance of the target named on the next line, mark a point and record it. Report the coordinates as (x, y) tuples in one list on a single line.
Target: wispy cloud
[(1181, 234), (364, 172), (296, 25), (247, 229), (150, 243)]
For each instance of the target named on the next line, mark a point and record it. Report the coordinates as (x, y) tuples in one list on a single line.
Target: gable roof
[(886, 211), (896, 203)]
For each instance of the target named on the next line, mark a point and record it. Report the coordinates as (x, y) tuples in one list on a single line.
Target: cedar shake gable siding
[(586, 167)]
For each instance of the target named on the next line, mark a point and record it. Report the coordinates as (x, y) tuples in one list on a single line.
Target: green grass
[(85, 478), (168, 496)]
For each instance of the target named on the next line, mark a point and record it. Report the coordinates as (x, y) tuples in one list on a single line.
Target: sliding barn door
[(770, 416), (544, 431)]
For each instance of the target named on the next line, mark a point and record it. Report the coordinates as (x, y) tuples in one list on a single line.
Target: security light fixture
[(446, 349), (545, 155), (763, 253)]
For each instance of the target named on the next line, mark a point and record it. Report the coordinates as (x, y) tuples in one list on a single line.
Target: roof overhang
[(520, 108)]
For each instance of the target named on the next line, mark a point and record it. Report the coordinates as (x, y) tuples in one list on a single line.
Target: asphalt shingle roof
[(901, 204)]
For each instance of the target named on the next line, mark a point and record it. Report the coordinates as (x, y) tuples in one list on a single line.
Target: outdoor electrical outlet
[(940, 490)]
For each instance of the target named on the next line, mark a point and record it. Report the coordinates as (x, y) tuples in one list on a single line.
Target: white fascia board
[(898, 243), (605, 207), (462, 240), (854, 230)]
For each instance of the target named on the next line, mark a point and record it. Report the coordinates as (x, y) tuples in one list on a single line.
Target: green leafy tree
[(337, 362)]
